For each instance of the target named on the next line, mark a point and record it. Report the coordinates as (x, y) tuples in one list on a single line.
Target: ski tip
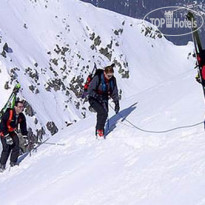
[(16, 88), (18, 85), (190, 15)]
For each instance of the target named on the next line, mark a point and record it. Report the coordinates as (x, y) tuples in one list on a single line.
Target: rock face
[(52, 62), (52, 128), (139, 8)]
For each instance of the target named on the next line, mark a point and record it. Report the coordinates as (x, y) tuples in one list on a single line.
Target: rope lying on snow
[(161, 131)]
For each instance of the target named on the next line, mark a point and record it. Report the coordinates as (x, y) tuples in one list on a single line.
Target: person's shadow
[(122, 115)]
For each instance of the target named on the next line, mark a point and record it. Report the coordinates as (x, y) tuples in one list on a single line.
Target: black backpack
[(98, 73), (90, 77)]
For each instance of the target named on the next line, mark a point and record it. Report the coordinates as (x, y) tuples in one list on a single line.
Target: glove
[(117, 106), (25, 137), (9, 140), (91, 109)]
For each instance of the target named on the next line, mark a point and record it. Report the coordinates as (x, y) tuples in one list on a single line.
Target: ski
[(11, 101), (200, 52)]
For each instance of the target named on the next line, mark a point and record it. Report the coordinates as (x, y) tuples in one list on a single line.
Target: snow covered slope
[(129, 167), (52, 46)]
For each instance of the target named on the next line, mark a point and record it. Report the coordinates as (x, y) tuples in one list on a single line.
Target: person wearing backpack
[(102, 86), (9, 138)]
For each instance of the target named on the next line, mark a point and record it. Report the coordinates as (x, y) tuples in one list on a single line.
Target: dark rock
[(6, 86), (97, 41), (32, 88), (28, 109), (105, 52), (52, 127)]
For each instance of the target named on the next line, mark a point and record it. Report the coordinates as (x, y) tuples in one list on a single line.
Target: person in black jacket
[(103, 86), (9, 138)]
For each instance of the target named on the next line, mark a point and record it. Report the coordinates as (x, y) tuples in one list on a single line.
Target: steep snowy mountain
[(139, 8), (51, 48)]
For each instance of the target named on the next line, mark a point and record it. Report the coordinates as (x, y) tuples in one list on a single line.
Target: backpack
[(90, 77), (99, 73)]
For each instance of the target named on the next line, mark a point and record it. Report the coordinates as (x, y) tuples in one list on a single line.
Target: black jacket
[(96, 88), (9, 122)]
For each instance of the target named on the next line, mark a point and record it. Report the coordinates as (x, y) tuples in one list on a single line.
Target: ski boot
[(12, 164), (100, 134)]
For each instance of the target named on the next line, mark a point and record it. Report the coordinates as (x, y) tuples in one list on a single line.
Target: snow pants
[(102, 112)]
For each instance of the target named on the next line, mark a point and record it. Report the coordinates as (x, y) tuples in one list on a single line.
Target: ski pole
[(52, 143), (108, 123)]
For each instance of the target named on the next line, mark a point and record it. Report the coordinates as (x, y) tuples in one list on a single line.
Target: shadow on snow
[(121, 116)]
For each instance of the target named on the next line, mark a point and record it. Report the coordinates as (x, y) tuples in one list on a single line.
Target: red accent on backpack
[(87, 83)]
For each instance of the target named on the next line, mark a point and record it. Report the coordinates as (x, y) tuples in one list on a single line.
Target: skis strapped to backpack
[(200, 52), (11, 101)]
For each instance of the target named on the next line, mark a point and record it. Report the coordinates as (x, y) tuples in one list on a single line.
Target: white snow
[(129, 167)]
